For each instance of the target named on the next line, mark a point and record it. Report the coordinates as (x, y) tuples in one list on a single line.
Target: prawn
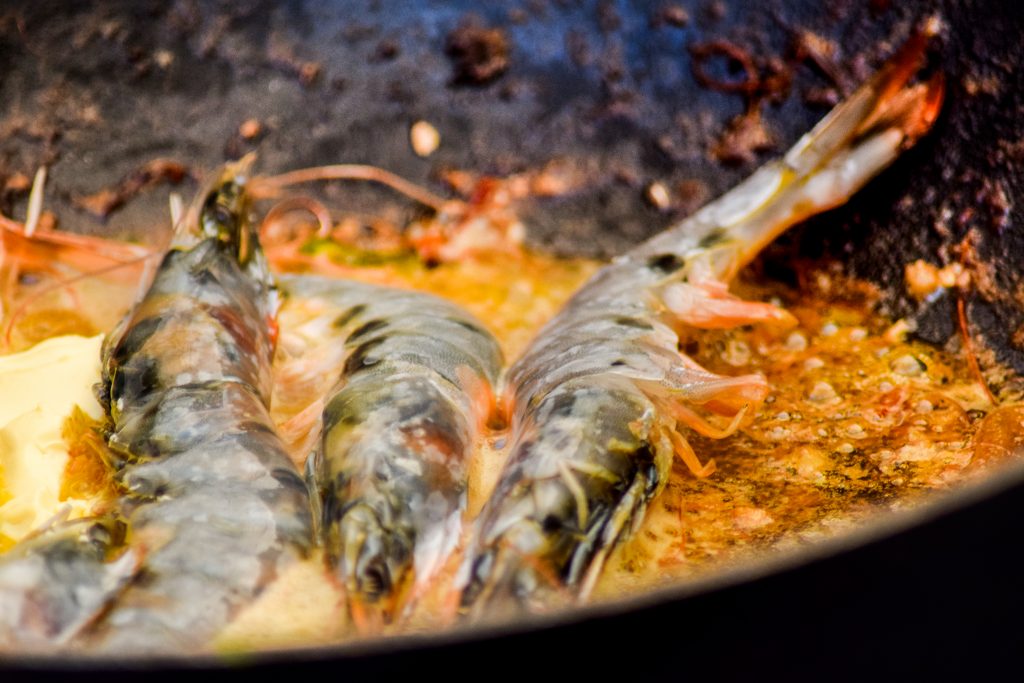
[(413, 391), (602, 394), (53, 584), (210, 495)]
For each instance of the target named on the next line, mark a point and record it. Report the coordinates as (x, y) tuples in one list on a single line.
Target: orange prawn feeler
[(107, 249), (972, 359), (22, 308), (318, 210), (125, 255), (28, 231), (269, 187), (288, 249), (428, 244)]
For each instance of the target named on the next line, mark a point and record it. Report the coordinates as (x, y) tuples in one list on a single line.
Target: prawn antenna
[(269, 187), (24, 306)]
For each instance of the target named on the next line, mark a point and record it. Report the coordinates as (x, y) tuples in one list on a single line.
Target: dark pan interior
[(95, 90)]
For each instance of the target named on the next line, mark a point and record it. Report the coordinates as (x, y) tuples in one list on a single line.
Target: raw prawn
[(602, 394), (414, 377), (55, 583), (212, 500)]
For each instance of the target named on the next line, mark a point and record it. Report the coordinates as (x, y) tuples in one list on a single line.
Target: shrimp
[(602, 394), (391, 465), (211, 497), (55, 583)]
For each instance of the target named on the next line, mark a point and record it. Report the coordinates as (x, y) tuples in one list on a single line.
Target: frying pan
[(95, 90)]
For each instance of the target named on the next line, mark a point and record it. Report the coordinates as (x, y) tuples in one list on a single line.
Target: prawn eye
[(222, 217), (218, 221), (551, 524), (376, 581)]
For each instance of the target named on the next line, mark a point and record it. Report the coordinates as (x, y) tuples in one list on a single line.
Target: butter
[(38, 389)]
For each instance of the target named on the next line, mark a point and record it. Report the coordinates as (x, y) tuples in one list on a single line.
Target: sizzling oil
[(859, 420), (513, 294)]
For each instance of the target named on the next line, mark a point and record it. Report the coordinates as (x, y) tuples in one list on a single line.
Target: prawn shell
[(212, 498), (415, 386), (54, 584)]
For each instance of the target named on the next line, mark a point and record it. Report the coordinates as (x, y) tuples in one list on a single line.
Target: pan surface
[(96, 90)]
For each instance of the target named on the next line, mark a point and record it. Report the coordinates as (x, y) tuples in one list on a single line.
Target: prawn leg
[(709, 305)]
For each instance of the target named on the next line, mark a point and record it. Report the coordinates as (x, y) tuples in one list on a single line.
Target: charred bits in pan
[(479, 54)]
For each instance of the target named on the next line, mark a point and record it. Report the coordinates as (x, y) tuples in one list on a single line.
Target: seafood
[(212, 500), (602, 394), (54, 584), (415, 377)]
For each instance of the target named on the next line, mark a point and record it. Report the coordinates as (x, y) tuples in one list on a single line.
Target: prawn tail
[(889, 101), (857, 140), (853, 143)]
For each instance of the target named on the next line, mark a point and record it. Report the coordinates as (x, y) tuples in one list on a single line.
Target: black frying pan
[(95, 90)]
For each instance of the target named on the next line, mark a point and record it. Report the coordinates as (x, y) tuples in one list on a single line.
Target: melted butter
[(39, 388)]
